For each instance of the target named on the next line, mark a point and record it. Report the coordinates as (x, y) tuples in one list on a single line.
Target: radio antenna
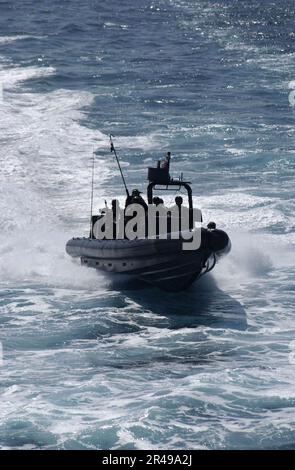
[(91, 198), (114, 150)]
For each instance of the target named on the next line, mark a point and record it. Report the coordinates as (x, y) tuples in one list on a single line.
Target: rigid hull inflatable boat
[(156, 260), (159, 262)]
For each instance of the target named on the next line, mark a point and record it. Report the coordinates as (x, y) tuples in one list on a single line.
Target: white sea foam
[(46, 169), (276, 62), (17, 37), (45, 156), (10, 77), (246, 212)]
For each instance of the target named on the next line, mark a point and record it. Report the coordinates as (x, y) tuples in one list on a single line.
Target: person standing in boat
[(115, 204), (164, 164), (136, 198), (118, 220)]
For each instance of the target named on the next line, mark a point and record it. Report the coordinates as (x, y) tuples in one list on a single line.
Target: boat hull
[(160, 262)]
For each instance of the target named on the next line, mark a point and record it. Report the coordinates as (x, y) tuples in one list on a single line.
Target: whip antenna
[(114, 150), (91, 199)]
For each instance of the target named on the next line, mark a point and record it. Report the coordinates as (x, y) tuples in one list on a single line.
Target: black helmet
[(136, 192), (178, 200), (211, 226)]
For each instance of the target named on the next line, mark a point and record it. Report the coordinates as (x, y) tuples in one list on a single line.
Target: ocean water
[(90, 364)]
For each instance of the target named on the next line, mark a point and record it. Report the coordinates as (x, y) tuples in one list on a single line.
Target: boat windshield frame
[(165, 187)]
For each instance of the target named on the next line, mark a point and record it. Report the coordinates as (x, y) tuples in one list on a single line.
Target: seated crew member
[(157, 200)]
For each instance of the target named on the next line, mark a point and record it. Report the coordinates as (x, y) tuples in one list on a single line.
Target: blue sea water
[(88, 364)]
